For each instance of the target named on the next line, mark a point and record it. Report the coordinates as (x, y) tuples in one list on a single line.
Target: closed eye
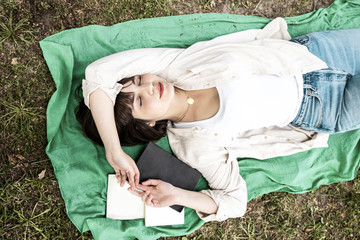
[(139, 83)]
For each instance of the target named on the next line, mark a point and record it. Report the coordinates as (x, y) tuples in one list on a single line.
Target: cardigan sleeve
[(221, 170), (215, 156), (228, 188), (106, 72)]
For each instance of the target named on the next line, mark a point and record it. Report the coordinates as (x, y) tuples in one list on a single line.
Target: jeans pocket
[(303, 40), (311, 112)]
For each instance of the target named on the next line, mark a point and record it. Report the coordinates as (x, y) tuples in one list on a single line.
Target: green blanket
[(81, 167)]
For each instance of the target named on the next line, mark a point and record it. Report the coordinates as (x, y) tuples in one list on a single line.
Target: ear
[(152, 123)]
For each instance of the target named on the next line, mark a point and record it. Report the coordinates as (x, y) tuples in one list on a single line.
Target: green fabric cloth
[(81, 167)]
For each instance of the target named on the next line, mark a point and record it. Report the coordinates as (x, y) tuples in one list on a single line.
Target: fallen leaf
[(42, 174), (12, 159), (16, 159), (14, 61), (20, 157)]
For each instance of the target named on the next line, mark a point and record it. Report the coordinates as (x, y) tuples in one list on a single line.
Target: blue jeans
[(331, 102)]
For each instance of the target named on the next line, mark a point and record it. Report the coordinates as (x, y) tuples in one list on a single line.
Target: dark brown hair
[(131, 131)]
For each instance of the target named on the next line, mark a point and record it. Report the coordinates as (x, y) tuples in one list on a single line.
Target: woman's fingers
[(148, 201), (143, 188), (146, 194), (137, 178), (130, 177), (153, 182), (123, 178), (146, 197), (133, 178), (136, 193), (118, 175)]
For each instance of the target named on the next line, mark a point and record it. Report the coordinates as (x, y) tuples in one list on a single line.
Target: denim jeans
[(331, 102)]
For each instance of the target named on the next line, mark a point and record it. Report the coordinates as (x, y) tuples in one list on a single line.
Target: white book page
[(163, 216), (121, 204)]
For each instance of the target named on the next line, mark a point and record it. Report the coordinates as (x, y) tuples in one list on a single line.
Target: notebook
[(154, 163), (123, 205)]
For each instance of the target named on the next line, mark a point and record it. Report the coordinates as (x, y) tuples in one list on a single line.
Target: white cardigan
[(205, 65), (208, 63)]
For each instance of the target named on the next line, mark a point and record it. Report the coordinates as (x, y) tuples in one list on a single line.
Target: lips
[(161, 89)]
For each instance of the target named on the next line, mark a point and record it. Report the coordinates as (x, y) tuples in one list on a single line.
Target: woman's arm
[(227, 196), (100, 88), (219, 167), (103, 113), (106, 72), (158, 193)]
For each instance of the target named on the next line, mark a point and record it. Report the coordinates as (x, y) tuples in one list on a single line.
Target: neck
[(183, 105)]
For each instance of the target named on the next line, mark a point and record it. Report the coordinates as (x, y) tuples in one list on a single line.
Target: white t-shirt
[(261, 101)]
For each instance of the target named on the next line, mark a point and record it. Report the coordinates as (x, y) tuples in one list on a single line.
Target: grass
[(19, 115), (32, 208), (15, 31)]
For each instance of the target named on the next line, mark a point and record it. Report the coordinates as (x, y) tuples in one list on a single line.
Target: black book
[(156, 163)]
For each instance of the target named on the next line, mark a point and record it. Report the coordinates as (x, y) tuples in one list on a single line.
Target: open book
[(121, 204), (154, 163)]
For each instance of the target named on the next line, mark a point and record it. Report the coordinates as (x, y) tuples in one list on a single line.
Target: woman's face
[(152, 97)]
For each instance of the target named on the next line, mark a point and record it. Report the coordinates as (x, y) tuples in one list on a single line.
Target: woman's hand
[(124, 166), (157, 193)]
